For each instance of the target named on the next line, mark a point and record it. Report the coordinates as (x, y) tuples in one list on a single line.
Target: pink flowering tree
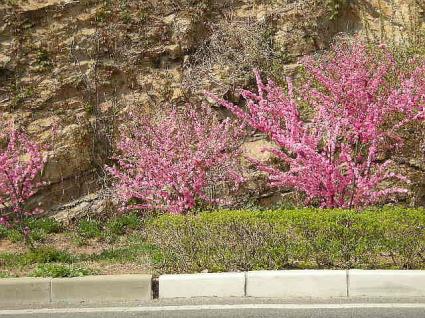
[(21, 162), (358, 100), (171, 163)]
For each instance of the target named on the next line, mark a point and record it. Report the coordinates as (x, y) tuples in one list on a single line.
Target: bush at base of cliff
[(388, 238)]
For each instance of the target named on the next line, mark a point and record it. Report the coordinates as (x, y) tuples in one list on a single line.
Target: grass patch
[(122, 224), (3, 231), (135, 250), (14, 235), (45, 254), (39, 230), (61, 270), (48, 255), (89, 229), (47, 225)]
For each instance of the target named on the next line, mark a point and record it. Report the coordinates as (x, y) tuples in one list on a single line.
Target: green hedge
[(285, 239)]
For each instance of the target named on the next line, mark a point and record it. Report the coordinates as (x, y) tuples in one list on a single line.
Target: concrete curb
[(21, 291), (386, 283), (290, 284), (285, 284), (297, 283), (202, 285), (89, 289), (99, 289)]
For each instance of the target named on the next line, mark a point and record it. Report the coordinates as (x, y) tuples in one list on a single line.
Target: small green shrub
[(38, 235), (89, 229), (4, 231), (39, 229), (14, 236), (47, 255), (40, 255), (304, 238), (121, 224), (5, 275), (9, 259), (60, 270), (48, 225)]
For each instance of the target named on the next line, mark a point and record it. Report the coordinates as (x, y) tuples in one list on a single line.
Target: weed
[(143, 17), (4, 231), (43, 60), (47, 255), (20, 95), (121, 224), (48, 225), (126, 16), (38, 235), (89, 229), (14, 236), (335, 7), (60, 270)]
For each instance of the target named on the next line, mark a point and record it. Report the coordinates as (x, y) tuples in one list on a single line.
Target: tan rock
[(258, 150)]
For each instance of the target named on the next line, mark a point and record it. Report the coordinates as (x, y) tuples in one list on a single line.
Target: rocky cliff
[(68, 68)]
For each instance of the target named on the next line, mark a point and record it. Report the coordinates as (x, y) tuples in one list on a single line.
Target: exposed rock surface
[(68, 68), (94, 204)]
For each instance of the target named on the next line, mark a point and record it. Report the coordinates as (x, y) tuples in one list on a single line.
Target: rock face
[(69, 68)]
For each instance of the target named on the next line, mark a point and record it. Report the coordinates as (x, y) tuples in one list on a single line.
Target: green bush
[(47, 225), (121, 224), (3, 231), (38, 235), (41, 255), (14, 236), (89, 229), (47, 255), (304, 238), (60, 270)]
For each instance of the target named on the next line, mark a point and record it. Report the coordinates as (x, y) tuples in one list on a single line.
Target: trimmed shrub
[(282, 239)]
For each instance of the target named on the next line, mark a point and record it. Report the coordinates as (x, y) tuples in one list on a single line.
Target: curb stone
[(202, 285), (88, 289), (21, 291), (98, 289), (284, 284), (297, 283), (387, 283)]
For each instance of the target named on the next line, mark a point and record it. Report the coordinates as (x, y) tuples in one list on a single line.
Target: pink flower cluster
[(169, 163), (357, 103), (20, 163)]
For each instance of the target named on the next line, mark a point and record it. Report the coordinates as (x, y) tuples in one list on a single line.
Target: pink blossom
[(170, 163), (333, 157), (20, 164)]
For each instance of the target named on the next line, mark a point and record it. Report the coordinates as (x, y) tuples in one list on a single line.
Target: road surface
[(237, 308)]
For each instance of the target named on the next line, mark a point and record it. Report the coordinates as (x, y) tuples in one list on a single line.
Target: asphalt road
[(233, 308)]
